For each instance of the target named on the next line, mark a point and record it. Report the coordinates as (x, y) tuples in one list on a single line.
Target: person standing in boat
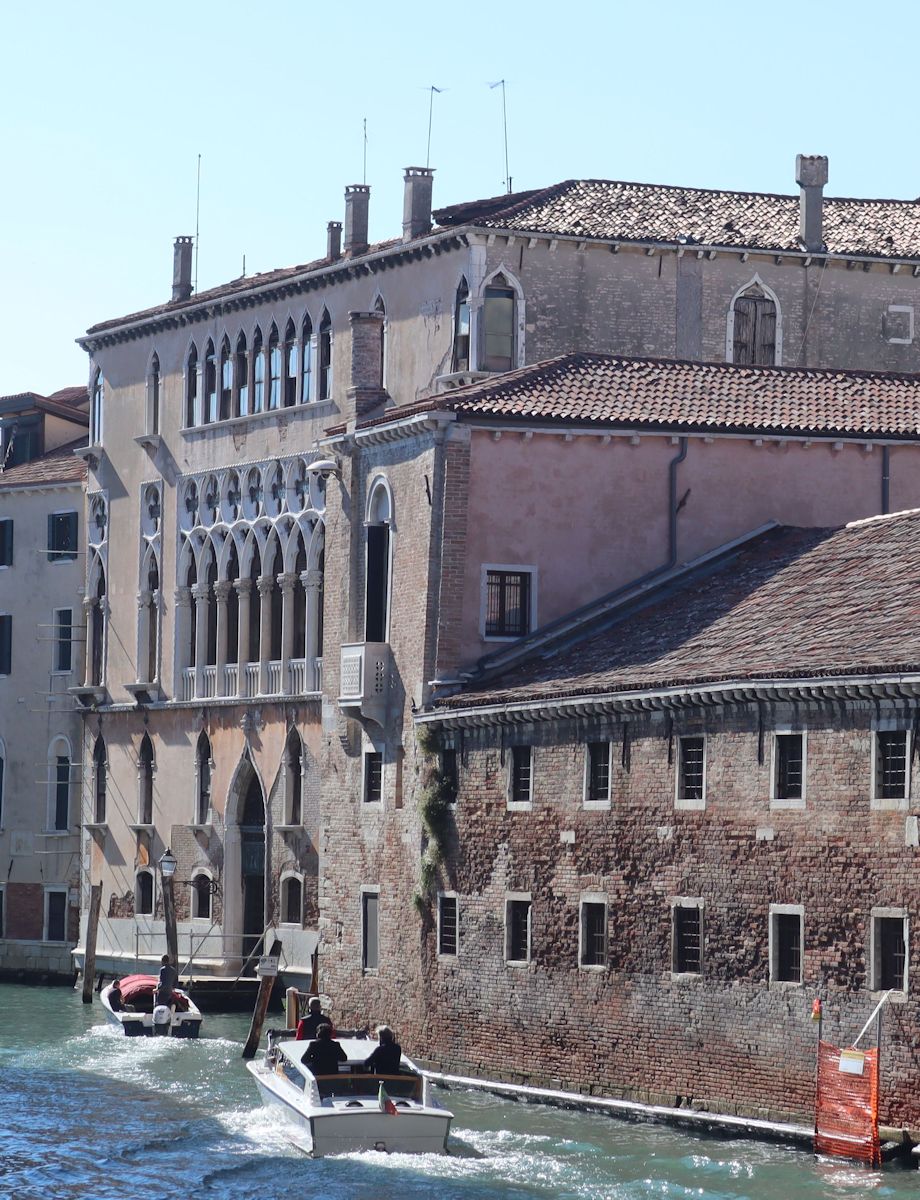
[(324, 1055), (385, 1059), (308, 1025), (166, 982)]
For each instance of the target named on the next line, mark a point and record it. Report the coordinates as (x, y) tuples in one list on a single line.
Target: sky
[(105, 108)]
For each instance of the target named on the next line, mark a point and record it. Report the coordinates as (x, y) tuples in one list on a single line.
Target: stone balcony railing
[(302, 677)]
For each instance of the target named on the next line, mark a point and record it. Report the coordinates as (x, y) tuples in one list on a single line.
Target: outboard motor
[(162, 1020)]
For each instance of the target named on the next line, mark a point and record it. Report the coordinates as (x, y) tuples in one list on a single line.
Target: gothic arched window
[(754, 328)]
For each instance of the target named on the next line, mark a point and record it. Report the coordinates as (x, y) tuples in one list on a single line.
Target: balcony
[(364, 681), (303, 677)]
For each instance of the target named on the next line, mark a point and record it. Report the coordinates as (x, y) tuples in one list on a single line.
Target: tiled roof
[(647, 212), (57, 466), (796, 604), (609, 389)]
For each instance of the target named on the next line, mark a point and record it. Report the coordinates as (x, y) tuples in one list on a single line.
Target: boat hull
[(139, 1024)]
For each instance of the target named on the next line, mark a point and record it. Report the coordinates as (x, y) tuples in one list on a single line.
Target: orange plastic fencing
[(846, 1104)]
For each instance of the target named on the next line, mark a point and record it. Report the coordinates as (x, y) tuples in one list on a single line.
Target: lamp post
[(167, 871)]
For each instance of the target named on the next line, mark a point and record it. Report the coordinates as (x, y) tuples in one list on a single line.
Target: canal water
[(86, 1112)]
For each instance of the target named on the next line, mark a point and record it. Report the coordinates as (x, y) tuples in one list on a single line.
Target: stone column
[(312, 582), (244, 591), (476, 304), (265, 584), (183, 605), (89, 607), (287, 583), (221, 591), (143, 635), (200, 593)]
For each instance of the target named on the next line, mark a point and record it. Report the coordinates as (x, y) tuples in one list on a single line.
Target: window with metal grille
[(517, 931), (754, 330), (6, 644), (370, 956), (789, 764), (6, 543), (891, 764), (688, 939), (521, 774), (450, 773), (598, 780), (373, 777), (507, 603), (593, 934), (447, 925), (890, 954), (787, 947), (63, 644), (62, 536), (692, 768)]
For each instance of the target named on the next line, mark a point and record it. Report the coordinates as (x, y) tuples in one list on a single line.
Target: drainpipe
[(886, 478), (672, 506)]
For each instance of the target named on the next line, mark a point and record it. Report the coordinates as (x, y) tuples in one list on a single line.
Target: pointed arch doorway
[(252, 863)]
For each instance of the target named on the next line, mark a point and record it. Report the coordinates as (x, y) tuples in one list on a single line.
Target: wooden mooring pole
[(89, 955), (266, 983)]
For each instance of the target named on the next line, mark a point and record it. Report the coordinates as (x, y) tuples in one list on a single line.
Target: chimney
[(182, 268), (366, 391), (334, 240), (357, 199), (811, 176), (417, 202)]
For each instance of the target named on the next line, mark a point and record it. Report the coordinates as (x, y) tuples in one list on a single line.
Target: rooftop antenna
[(197, 211), (431, 92), (364, 177), (501, 83)]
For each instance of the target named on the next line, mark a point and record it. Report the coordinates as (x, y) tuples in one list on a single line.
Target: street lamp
[(167, 870), (168, 864)]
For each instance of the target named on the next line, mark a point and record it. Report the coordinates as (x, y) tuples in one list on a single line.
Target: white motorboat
[(138, 1016), (351, 1110)]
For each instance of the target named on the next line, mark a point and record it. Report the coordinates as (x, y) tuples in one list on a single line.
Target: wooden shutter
[(743, 336), (765, 333)]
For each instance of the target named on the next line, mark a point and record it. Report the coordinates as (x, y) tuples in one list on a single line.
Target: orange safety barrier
[(846, 1104)]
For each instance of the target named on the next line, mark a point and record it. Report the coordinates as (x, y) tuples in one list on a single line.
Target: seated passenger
[(385, 1059), (324, 1055), (116, 1001), (308, 1025)]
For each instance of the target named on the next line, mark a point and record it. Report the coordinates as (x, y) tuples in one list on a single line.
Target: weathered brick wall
[(729, 1038), (24, 910)]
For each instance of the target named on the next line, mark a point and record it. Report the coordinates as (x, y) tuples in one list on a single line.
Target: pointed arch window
[(211, 580), (233, 606), (210, 383), (380, 310), (290, 364), (255, 608), (274, 369), (191, 386), (306, 359), (325, 357), (241, 378), (377, 590), (100, 780), (153, 632), (498, 325), (95, 410), (258, 373), (153, 395), (754, 328), (191, 578), (293, 778), (203, 765), (461, 356), (277, 604), (145, 770), (98, 628), (226, 380)]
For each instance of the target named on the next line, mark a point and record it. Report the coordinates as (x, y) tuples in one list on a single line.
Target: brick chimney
[(182, 268), (417, 202), (357, 200), (366, 391), (334, 240), (811, 176)]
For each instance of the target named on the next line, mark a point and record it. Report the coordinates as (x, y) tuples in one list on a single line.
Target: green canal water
[(86, 1112)]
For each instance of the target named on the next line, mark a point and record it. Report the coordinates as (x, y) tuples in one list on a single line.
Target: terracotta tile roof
[(646, 212), (796, 603), (57, 466), (609, 389)]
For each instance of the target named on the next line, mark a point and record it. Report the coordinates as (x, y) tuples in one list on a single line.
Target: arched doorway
[(252, 864)]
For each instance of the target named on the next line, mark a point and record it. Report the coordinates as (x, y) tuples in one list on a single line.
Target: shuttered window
[(754, 329)]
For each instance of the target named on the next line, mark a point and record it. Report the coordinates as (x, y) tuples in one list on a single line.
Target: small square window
[(63, 640), (891, 764), (593, 934), (62, 536), (786, 945), (521, 775), (6, 543), (597, 779), (889, 953), (508, 600), (789, 767), (373, 777), (447, 925), (687, 931), (691, 775), (517, 930)]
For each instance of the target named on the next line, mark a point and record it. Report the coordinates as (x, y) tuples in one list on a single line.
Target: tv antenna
[(197, 212), (431, 93), (364, 176), (501, 83)]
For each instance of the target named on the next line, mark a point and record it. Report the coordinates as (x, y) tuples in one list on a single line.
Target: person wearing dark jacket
[(324, 1055), (166, 982), (308, 1025), (385, 1059)]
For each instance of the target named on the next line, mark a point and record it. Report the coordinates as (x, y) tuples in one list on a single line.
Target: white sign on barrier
[(852, 1062), (268, 966)]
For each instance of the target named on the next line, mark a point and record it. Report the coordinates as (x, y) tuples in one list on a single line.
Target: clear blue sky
[(104, 108)]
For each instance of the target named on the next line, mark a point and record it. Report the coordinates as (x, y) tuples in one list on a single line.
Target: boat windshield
[(352, 1080)]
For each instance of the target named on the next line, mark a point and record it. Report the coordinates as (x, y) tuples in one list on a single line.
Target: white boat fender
[(162, 1014)]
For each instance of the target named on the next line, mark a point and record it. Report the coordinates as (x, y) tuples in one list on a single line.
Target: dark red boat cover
[(134, 987)]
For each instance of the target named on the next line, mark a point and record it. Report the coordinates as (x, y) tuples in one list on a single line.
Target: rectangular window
[(370, 956), (62, 793), (498, 324), (507, 603), (373, 777), (687, 956), (691, 776), (55, 916), (6, 644), (785, 944), (517, 930), (593, 934), (597, 778), (889, 953), (521, 775), (790, 759), (450, 773), (447, 925), (6, 543), (63, 639), (891, 764), (62, 536), (2, 926)]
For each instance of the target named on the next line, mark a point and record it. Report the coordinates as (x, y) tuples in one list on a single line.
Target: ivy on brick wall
[(436, 798)]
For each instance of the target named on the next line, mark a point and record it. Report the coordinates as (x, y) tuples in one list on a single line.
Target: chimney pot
[(811, 176), (357, 202), (417, 202), (334, 240), (182, 268)]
